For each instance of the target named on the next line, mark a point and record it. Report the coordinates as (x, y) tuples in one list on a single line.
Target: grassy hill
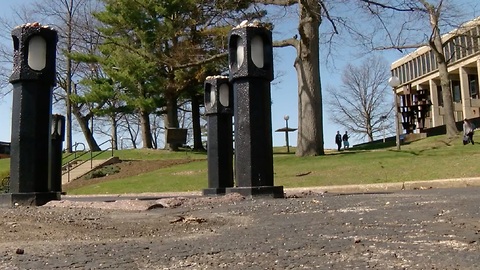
[(432, 158)]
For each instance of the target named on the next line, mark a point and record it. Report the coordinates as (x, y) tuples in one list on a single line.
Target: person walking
[(468, 131), (338, 140), (346, 144)]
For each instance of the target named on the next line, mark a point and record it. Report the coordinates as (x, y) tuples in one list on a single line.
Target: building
[(4, 150), (420, 94)]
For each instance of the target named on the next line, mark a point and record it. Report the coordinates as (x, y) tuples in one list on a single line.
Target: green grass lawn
[(431, 158)]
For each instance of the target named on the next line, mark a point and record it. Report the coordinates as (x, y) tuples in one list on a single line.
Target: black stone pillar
[(251, 71), (219, 111), (33, 79), (57, 138)]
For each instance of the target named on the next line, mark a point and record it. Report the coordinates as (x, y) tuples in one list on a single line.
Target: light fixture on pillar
[(258, 56), (58, 126), (394, 82), (225, 95), (37, 53)]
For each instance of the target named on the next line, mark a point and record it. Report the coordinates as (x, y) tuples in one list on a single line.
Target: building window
[(447, 51), (475, 40), (423, 70), (469, 38), (410, 70), (429, 61), (457, 94), (403, 73), (415, 68), (473, 85), (463, 46), (457, 46), (433, 60)]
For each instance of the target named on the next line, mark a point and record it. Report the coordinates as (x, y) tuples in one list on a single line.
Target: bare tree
[(72, 19), (363, 103), (307, 65)]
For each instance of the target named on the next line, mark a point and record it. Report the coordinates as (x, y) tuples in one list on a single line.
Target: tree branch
[(285, 3), (204, 61), (400, 48), (375, 3), (329, 18), (286, 42)]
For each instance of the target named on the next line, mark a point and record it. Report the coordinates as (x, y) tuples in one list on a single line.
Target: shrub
[(103, 171)]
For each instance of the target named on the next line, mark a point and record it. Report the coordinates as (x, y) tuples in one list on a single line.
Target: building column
[(478, 74), (435, 112), (465, 90)]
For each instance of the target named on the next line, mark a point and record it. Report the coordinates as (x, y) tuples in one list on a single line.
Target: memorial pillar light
[(56, 140), (33, 79), (251, 71), (219, 112)]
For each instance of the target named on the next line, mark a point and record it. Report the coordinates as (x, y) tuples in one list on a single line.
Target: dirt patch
[(423, 229), (129, 168)]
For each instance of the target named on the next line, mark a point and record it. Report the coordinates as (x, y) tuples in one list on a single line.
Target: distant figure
[(345, 137), (338, 140), (468, 130)]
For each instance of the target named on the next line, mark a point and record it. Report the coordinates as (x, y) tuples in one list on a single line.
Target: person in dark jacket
[(468, 130), (338, 140), (346, 144)]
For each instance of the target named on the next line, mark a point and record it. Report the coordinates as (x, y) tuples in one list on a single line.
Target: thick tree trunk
[(87, 132), (146, 131), (197, 131), (171, 120), (449, 116), (310, 128)]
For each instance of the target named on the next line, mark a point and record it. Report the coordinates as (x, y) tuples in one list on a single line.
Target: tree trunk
[(114, 132), (310, 128), (87, 132), (146, 131), (69, 82), (132, 135), (437, 47), (171, 120), (197, 131)]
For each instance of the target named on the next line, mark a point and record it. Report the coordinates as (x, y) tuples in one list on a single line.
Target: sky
[(283, 88)]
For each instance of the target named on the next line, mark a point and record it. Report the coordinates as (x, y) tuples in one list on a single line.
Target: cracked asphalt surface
[(420, 229)]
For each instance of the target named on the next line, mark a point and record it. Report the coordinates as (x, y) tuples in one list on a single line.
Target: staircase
[(77, 171)]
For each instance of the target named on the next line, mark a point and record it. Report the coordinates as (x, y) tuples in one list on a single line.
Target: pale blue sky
[(284, 87)]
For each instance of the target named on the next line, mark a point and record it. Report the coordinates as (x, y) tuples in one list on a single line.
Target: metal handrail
[(74, 153), (69, 168)]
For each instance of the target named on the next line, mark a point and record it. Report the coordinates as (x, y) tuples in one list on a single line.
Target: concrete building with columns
[(419, 93)]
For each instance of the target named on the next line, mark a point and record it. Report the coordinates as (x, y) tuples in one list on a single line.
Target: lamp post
[(286, 117), (251, 71), (33, 78), (383, 118), (394, 82)]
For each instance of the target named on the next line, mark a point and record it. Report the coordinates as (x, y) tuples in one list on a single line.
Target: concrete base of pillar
[(28, 199), (213, 191), (269, 191)]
